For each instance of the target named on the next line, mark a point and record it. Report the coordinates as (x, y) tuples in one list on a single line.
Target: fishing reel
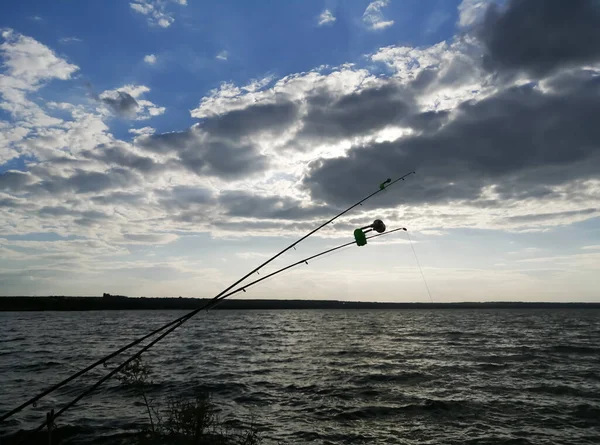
[(359, 234)]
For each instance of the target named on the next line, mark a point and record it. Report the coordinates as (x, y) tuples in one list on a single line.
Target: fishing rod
[(210, 305), (175, 323), (283, 269)]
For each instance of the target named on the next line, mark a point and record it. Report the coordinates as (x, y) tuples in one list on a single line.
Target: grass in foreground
[(192, 421), (182, 421)]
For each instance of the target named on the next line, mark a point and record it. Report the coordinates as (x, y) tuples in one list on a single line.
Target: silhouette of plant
[(183, 421), (136, 375)]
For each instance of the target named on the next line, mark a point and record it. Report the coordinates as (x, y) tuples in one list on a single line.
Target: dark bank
[(119, 302)]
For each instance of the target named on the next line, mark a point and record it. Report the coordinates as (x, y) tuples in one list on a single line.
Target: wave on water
[(563, 390), (589, 412), (454, 408), (575, 349), (405, 377)]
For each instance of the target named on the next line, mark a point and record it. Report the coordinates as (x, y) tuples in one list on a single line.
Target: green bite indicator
[(360, 237), (360, 234), (382, 185)]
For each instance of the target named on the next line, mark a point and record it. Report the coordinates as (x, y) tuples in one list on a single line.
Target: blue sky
[(155, 147), (112, 41)]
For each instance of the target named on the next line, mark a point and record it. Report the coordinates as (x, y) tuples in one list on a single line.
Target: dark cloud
[(168, 143), (516, 190), (201, 205), (428, 121), (254, 119), (226, 159), (82, 181), (83, 218), (355, 114), (424, 79), (184, 197), (570, 81), (539, 36), (461, 69), (14, 180), (94, 182), (521, 140), (122, 156), (199, 153), (535, 217), (149, 238), (122, 104), (248, 205), (248, 227), (10, 202), (124, 198), (65, 211)]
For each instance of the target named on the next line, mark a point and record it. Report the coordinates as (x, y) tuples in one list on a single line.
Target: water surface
[(328, 376)]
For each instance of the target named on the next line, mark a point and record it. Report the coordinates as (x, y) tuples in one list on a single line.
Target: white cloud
[(150, 59), (326, 18), (165, 21), (27, 60), (86, 131), (142, 8), (252, 255), (575, 261), (27, 65), (592, 247), (144, 131), (433, 232), (135, 90), (455, 67), (223, 55), (156, 11), (229, 97), (70, 40), (471, 11), (152, 109), (373, 16)]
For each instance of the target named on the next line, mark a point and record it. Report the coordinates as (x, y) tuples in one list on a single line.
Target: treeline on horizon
[(117, 302)]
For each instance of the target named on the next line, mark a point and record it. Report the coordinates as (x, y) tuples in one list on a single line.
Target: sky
[(167, 147)]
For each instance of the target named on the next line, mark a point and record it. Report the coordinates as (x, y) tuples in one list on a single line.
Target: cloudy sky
[(165, 147)]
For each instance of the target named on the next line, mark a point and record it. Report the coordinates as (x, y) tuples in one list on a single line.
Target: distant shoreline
[(110, 302)]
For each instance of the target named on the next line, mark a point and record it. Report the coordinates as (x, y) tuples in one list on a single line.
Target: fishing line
[(419, 264), (176, 323), (211, 304)]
